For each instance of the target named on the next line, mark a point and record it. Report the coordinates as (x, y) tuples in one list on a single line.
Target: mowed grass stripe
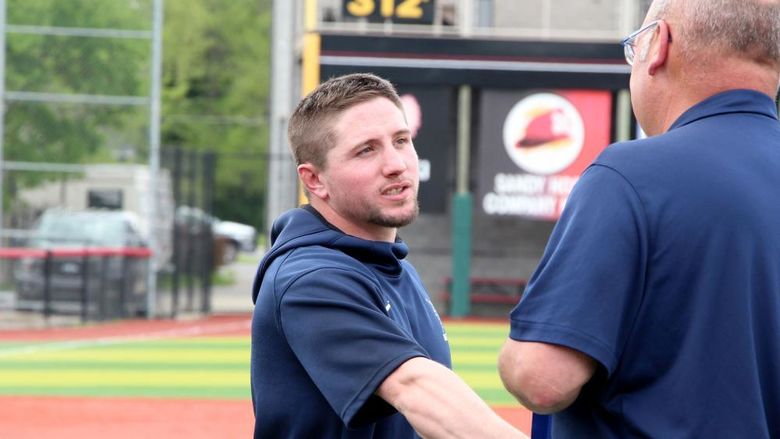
[(476, 338), (191, 369), (13, 344), (236, 342), (171, 347), (114, 354), (480, 379), (204, 367), (194, 342), (499, 331), (463, 358), (476, 367), (160, 378), (477, 346), (223, 392), (56, 366)]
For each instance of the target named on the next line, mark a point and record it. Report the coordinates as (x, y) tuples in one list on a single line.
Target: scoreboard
[(399, 11)]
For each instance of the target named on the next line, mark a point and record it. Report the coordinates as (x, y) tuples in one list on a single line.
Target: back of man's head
[(734, 29), (310, 128)]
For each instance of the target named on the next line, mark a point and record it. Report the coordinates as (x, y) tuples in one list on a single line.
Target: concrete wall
[(580, 19), (600, 15)]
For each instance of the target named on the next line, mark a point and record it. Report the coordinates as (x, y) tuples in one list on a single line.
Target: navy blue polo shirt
[(665, 268)]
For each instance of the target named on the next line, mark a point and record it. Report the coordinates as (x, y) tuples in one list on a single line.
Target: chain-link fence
[(84, 216)]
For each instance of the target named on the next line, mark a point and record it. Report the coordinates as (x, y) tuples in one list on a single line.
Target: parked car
[(230, 237), (237, 236), (109, 279)]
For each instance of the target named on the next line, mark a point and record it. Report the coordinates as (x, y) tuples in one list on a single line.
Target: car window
[(77, 229)]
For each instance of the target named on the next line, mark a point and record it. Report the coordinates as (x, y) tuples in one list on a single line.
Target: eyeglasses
[(629, 42)]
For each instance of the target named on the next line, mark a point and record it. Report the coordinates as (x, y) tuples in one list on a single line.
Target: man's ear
[(661, 52), (310, 178)]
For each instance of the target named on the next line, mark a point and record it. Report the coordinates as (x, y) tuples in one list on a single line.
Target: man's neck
[(697, 84), (368, 232)]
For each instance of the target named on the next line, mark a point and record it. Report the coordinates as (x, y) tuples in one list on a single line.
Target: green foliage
[(215, 88), (223, 277), (129, 14), (215, 95), (72, 133)]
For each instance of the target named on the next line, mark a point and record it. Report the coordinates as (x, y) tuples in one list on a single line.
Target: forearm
[(439, 404)]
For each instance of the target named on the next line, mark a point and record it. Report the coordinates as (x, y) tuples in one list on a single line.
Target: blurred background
[(155, 111), (143, 142)]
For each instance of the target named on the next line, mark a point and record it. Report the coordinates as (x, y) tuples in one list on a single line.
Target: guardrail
[(488, 290), (81, 279)]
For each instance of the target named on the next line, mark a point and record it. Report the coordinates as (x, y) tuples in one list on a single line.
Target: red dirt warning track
[(24, 417), (123, 418)]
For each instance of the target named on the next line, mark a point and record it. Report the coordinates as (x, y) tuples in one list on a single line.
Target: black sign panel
[(105, 199), (399, 11), (430, 112), (457, 61)]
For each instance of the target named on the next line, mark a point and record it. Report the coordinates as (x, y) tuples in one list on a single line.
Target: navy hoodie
[(334, 316)]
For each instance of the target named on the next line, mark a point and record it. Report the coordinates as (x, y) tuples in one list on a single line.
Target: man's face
[(370, 176)]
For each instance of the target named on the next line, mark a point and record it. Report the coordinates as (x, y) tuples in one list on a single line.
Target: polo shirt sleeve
[(335, 323), (588, 287)]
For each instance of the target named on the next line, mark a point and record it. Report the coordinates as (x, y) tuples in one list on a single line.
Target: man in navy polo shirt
[(345, 341), (655, 310)]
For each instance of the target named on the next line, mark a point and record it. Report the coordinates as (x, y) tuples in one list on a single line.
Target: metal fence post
[(84, 286), (123, 285), (103, 290), (176, 256), (190, 236), (209, 163), (47, 284)]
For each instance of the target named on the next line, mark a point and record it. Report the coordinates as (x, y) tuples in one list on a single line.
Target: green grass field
[(197, 367)]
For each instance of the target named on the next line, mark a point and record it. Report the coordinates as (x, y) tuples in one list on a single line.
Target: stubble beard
[(377, 217)]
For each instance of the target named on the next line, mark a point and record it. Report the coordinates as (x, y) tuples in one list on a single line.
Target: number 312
[(408, 9)]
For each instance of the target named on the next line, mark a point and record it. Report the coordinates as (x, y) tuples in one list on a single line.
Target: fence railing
[(96, 283)]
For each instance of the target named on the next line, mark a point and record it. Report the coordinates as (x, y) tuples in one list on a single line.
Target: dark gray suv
[(90, 261)]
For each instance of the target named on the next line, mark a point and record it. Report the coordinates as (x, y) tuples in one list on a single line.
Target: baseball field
[(162, 379)]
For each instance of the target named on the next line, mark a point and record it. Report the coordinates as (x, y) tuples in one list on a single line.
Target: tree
[(216, 57), (215, 87), (55, 64)]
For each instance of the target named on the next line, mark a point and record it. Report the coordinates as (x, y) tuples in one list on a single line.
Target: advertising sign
[(431, 118), (534, 145)]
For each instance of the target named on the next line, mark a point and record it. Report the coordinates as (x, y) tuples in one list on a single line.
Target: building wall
[(580, 19), (570, 15)]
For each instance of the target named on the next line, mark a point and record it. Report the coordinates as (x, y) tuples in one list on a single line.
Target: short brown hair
[(310, 133)]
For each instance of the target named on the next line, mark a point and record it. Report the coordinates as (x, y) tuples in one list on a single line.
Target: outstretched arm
[(439, 404), (546, 378)]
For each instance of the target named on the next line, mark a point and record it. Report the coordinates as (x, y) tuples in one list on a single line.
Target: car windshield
[(83, 228)]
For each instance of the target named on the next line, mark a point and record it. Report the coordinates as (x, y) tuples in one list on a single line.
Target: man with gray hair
[(655, 310)]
